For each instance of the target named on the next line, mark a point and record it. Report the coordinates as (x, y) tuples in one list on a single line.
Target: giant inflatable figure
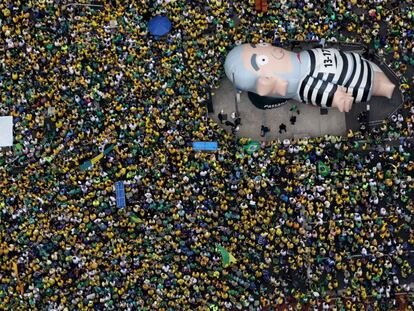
[(322, 77)]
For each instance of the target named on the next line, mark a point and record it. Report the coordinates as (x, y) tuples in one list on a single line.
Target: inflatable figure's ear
[(271, 86)]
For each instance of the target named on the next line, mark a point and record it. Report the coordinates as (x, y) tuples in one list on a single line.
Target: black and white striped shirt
[(330, 68)]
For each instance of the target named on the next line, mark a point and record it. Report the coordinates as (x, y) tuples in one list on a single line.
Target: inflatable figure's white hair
[(243, 78)]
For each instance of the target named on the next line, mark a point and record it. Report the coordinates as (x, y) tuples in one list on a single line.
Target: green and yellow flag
[(324, 170), (252, 147), (97, 158), (135, 219), (227, 257), (88, 164)]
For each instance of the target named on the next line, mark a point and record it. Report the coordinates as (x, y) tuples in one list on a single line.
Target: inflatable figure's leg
[(382, 86)]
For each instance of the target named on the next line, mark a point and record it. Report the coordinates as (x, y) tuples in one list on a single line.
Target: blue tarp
[(120, 194), (159, 26), (205, 146)]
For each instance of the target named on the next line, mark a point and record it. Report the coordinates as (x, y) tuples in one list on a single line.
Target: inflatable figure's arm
[(325, 94)]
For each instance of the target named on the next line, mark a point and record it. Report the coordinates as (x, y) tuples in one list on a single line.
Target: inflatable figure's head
[(255, 68)]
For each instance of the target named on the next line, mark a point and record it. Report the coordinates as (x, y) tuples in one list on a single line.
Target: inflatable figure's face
[(255, 68)]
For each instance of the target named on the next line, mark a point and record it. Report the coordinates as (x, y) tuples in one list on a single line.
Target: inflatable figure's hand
[(342, 100)]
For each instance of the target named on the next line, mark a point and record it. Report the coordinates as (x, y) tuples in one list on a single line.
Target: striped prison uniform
[(331, 68)]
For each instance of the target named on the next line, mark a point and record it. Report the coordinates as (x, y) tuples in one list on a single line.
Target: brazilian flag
[(323, 169), (252, 147), (227, 257)]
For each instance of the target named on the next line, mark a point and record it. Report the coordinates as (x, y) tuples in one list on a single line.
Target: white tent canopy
[(6, 131)]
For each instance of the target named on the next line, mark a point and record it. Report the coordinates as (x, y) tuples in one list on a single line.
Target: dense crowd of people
[(323, 222)]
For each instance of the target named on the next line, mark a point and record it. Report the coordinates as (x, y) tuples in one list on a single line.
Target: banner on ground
[(120, 194), (6, 131), (205, 146)]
